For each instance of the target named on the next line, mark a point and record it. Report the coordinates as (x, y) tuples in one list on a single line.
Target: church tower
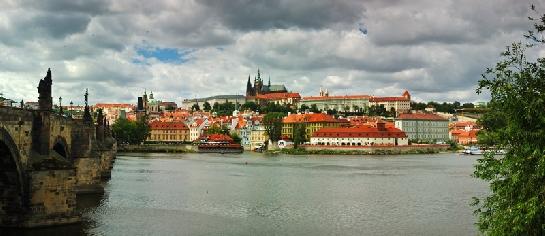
[(259, 83), (249, 88)]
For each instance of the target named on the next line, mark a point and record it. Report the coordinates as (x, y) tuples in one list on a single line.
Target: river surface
[(254, 194)]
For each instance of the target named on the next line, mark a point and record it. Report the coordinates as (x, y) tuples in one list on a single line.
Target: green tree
[(170, 108), (206, 106), (217, 129), (236, 138), (516, 205), (468, 105), (299, 134), (131, 132), (273, 125), (272, 107), (250, 106), (304, 108), (196, 107), (314, 108)]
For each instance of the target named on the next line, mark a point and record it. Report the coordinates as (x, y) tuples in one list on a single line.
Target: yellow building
[(168, 132), (258, 136), (312, 122)]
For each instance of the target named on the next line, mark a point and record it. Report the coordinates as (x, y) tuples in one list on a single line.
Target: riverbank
[(158, 148), (382, 150), (304, 150)]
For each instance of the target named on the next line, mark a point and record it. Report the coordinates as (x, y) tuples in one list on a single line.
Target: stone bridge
[(46, 159)]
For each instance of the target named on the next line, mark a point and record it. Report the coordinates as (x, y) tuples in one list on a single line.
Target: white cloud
[(436, 49)]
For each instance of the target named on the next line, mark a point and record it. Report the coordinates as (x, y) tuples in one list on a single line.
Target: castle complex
[(259, 88)]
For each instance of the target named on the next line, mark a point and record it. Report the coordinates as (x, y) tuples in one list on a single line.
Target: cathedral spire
[(249, 87), (269, 81), (258, 74)]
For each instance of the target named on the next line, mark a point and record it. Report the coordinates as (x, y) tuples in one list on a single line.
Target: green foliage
[(170, 108), (130, 132), (217, 129), (468, 105), (252, 106), (224, 109), (314, 108), (441, 107), (303, 108), (273, 125), (453, 145), (196, 107), (272, 107), (516, 122), (236, 138), (380, 111), (206, 106), (299, 134)]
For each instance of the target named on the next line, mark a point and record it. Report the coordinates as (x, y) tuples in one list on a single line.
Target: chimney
[(381, 125)]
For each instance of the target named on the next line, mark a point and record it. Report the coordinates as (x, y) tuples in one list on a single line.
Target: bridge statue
[(45, 100), (46, 159)]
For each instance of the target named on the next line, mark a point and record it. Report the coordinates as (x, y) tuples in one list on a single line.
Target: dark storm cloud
[(268, 14), (447, 22), (42, 26), (92, 7)]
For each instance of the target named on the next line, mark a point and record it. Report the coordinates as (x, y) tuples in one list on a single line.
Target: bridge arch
[(61, 147), (12, 191)]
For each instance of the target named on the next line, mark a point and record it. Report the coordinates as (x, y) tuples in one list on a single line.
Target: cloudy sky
[(179, 49)]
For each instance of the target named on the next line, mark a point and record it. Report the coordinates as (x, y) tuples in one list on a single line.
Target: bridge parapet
[(44, 159)]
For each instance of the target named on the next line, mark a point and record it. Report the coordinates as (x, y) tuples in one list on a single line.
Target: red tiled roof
[(420, 116), (387, 99), (277, 96), (406, 93), (219, 138), (159, 125), (366, 131), (309, 118), (465, 134)]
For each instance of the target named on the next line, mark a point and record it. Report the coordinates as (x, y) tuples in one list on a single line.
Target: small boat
[(473, 150), (220, 148), (218, 143)]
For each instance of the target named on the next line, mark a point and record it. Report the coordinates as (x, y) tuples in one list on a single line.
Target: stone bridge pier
[(46, 159)]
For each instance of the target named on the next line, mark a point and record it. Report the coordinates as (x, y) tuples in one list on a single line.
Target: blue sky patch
[(166, 55)]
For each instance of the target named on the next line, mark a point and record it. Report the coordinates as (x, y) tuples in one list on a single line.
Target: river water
[(254, 194)]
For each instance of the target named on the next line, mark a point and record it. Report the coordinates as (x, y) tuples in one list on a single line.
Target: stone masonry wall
[(52, 200)]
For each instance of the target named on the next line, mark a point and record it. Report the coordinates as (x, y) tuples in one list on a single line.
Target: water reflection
[(85, 204), (188, 194)]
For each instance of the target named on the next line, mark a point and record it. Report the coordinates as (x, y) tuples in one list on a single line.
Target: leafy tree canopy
[(516, 122), (130, 132)]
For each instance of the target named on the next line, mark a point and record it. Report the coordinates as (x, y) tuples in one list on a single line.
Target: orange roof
[(465, 134), (160, 125), (387, 99), (406, 93), (277, 96), (420, 116), (309, 118), (219, 138), (366, 131)]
